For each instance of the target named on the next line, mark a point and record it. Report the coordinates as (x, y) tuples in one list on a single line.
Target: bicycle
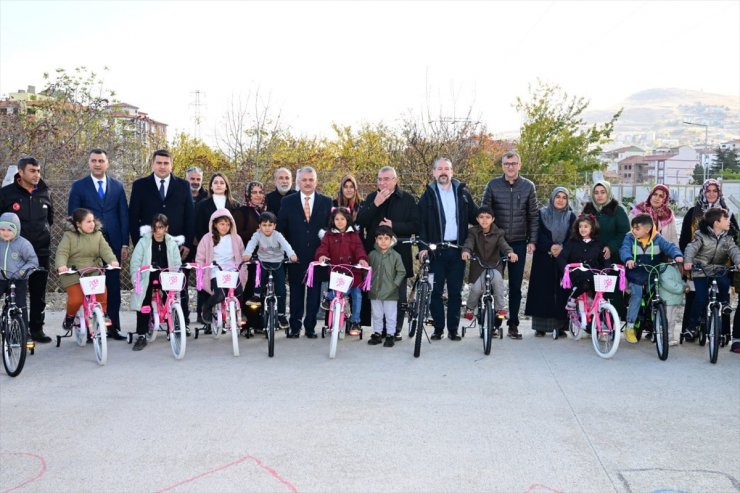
[(715, 309), (13, 331), (340, 281), (167, 312), (652, 316), (489, 319), (269, 305), (90, 321), (604, 319)]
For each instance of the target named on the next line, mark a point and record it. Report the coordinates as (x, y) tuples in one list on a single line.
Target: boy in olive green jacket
[(388, 274)]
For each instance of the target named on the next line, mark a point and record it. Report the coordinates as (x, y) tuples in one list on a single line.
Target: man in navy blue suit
[(163, 193), (301, 217), (106, 198)]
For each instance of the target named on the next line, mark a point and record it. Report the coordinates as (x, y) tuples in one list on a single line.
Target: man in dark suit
[(283, 188), (106, 198), (301, 217), (163, 193)]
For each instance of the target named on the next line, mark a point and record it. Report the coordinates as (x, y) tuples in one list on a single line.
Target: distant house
[(633, 170), (733, 145), (145, 126), (674, 166), (613, 157)]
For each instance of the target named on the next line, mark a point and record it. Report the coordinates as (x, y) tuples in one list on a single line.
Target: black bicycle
[(13, 328), (652, 318), (715, 309), (488, 319), (270, 304)]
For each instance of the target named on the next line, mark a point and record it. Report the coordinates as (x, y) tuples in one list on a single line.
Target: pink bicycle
[(603, 317), (165, 312)]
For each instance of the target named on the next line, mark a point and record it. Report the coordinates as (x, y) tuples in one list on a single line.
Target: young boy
[(486, 241), (712, 247), (388, 274), (16, 257), (272, 249), (643, 245)]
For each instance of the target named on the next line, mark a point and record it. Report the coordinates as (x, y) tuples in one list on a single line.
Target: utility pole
[(196, 112), (706, 133)]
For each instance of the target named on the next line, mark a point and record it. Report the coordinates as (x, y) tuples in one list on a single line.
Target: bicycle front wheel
[(234, 327), (217, 321), (14, 345), (605, 334), (421, 310), (714, 330), (100, 338), (487, 327), (660, 329), (270, 326), (178, 336), (336, 322), (151, 333)]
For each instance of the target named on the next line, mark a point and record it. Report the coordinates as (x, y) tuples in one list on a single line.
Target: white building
[(613, 157), (672, 167)]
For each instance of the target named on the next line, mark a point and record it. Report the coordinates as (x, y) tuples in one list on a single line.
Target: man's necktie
[(161, 189), (101, 193), (307, 209)]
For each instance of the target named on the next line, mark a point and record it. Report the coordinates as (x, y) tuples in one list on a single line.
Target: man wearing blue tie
[(106, 198)]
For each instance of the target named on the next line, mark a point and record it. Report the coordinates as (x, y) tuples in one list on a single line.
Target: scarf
[(609, 194), (557, 220), (661, 215), (703, 205), (258, 208)]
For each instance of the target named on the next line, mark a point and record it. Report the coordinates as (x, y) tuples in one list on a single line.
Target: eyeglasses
[(511, 165), (386, 178)]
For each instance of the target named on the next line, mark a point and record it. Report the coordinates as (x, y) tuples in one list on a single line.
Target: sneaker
[(571, 305), (140, 343), (40, 336), (207, 316), (283, 322), (437, 336), (355, 330), (114, 335), (375, 339), (629, 334), (514, 332), (673, 342), (254, 302), (397, 337), (68, 323), (389, 341), (325, 303), (454, 337)]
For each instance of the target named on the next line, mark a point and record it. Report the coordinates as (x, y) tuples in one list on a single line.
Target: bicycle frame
[(714, 311)]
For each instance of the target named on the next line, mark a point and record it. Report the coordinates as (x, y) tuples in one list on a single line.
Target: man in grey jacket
[(514, 203)]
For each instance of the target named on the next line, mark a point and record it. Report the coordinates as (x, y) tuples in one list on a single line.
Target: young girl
[(584, 247), (224, 246), (82, 245), (341, 244), (156, 248)]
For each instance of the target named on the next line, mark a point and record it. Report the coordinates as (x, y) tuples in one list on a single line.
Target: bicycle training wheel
[(421, 308), (605, 334), (178, 336), (336, 315), (234, 326), (100, 337), (487, 327), (14, 345), (660, 329), (715, 329), (80, 331)]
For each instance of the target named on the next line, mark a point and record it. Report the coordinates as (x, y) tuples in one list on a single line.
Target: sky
[(316, 63)]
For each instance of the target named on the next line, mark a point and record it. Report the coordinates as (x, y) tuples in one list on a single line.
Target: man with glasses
[(283, 188), (514, 203), (390, 206), (194, 175)]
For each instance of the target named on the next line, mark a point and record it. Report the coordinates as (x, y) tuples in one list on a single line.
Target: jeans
[(701, 297), (448, 268), (516, 275), (355, 295), (635, 300)]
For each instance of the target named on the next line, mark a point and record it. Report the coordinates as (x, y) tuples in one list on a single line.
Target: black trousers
[(37, 296)]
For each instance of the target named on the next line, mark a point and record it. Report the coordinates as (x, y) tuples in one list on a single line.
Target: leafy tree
[(725, 160), (189, 151), (698, 175)]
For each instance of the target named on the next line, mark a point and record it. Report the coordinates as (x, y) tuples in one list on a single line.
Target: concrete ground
[(536, 415)]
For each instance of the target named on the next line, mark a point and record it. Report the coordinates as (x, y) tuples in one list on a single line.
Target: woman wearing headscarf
[(710, 196), (657, 206), (545, 298), (613, 225), (349, 195)]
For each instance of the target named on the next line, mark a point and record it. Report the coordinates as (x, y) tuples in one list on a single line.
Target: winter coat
[(401, 208), (671, 286), (651, 252), (16, 255), (203, 211), (574, 251), (388, 274), (79, 250), (342, 248), (515, 207), (143, 256), (613, 225), (432, 216), (488, 247), (35, 211), (204, 255), (691, 224), (710, 250)]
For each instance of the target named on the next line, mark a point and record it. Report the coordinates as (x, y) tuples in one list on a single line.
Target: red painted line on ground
[(38, 475), (542, 486), (246, 458)]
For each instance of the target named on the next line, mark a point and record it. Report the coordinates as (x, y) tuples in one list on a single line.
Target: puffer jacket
[(79, 250), (35, 211), (388, 274), (204, 254), (515, 206), (488, 247), (710, 250), (671, 286), (143, 256), (432, 216), (16, 254), (651, 252), (343, 248)]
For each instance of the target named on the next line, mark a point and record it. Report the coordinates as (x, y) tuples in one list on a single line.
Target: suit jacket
[(303, 236), (177, 206), (111, 210)]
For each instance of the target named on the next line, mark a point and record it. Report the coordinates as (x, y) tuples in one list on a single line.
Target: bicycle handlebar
[(719, 270), (24, 277), (502, 260), (73, 270), (430, 246)]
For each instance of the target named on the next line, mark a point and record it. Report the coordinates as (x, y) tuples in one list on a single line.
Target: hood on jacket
[(68, 226), (322, 231), (146, 230), (222, 213), (649, 238), (394, 240), (9, 220)]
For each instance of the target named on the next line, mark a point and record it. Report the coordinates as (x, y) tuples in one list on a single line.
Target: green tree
[(189, 151), (725, 160), (698, 175), (556, 144)]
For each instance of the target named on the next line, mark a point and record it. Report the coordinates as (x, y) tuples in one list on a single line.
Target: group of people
[(171, 221)]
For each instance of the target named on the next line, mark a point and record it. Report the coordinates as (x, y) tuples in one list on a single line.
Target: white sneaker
[(673, 342)]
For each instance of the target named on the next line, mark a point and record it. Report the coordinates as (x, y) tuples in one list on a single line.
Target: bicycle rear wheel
[(80, 331), (234, 327), (100, 338), (714, 330), (660, 329), (487, 327), (270, 326), (14, 344), (336, 315), (606, 338), (421, 308), (178, 337)]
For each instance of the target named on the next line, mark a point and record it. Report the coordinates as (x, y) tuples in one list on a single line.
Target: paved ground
[(536, 416)]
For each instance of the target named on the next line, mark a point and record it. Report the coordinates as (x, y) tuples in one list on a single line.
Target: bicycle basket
[(605, 284), (171, 281), (93, 284), (227, 280), (340, 282)]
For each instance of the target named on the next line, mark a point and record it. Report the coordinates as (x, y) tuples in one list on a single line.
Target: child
[(156, 248), (82, 245), (644, 245), (672, 292), (272, 248), (16, 257), (224, 246), (388, 274), (712, 247), (342, 245), (486, 241), (584, 247)]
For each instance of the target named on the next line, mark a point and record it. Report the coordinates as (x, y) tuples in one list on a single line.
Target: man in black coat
[(283, 188), (28, 197), (390, 206), (301, 217), (163, 193), (194, 176)]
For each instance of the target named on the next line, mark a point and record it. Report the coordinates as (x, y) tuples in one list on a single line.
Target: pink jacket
[(204, 254)]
